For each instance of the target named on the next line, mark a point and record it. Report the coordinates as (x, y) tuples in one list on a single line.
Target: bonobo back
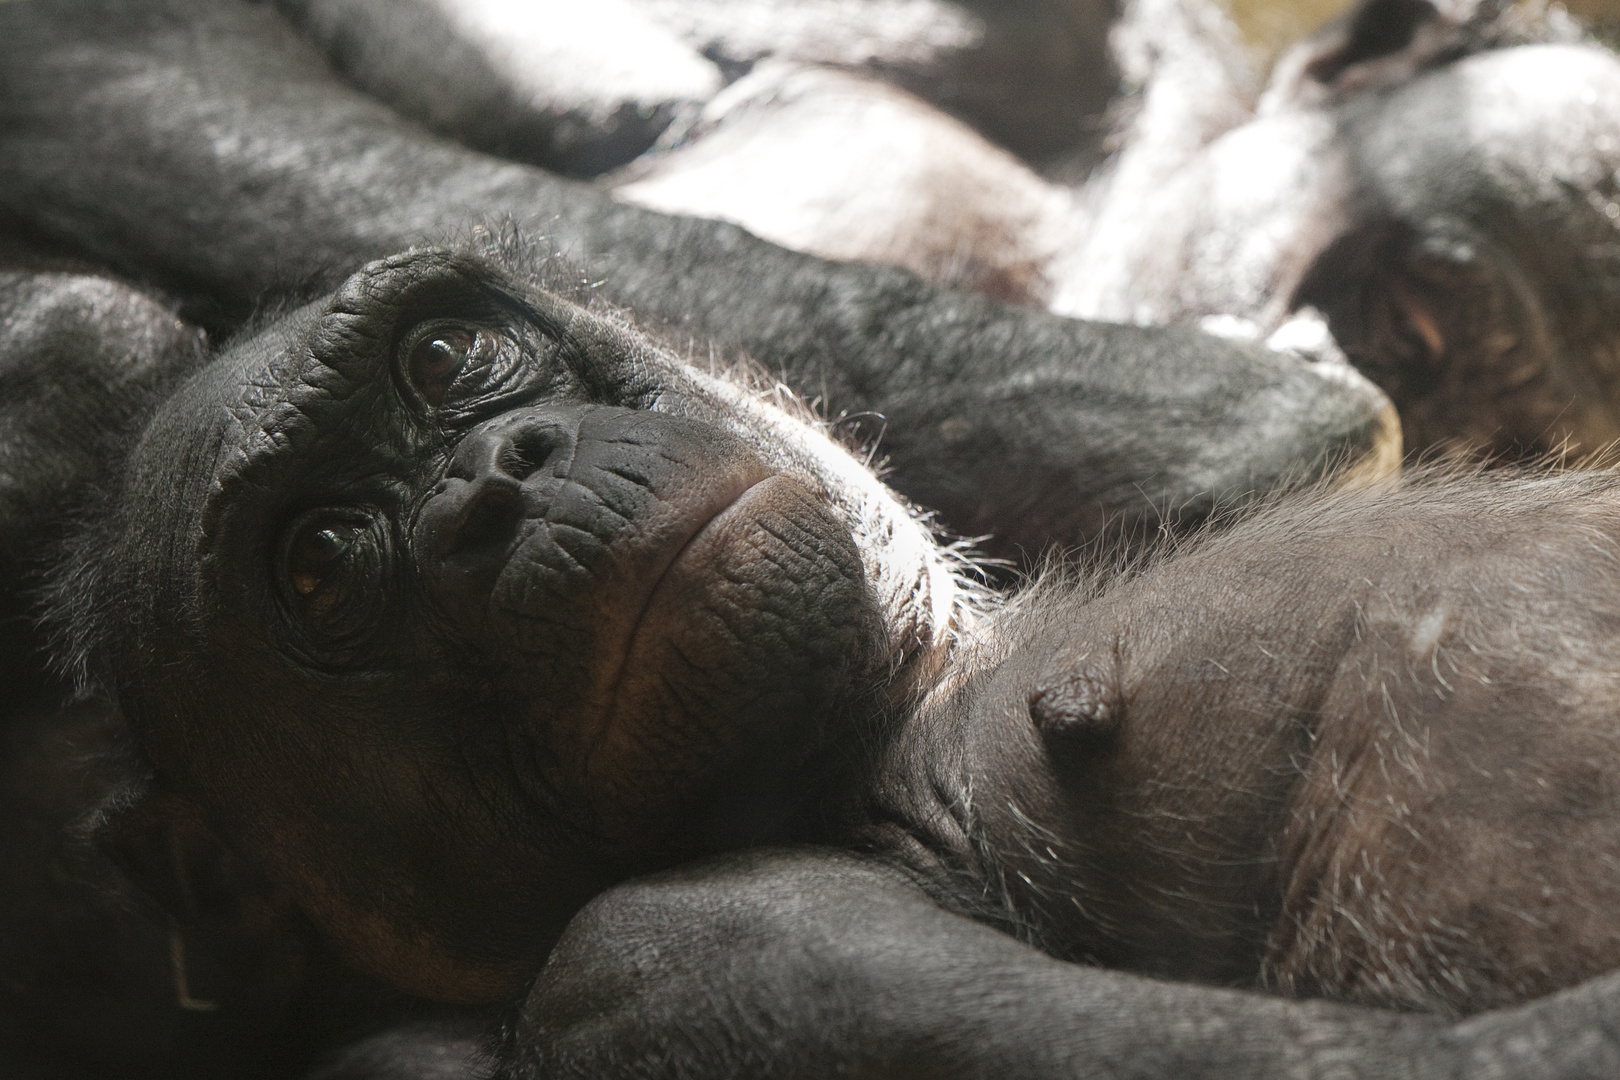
[(1362, 745)]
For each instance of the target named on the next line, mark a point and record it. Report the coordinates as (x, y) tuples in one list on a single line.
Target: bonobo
[(547, 598), (450, 604)]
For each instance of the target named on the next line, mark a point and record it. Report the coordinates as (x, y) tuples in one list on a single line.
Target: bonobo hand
[(813, 963)]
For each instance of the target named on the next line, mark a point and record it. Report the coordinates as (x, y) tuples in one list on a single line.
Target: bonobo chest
[(1325, 752)]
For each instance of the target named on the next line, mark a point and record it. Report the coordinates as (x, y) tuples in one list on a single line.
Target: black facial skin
[(1034, 428)]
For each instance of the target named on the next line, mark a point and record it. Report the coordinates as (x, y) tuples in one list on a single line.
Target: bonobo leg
[(260, 169), (811, 964)]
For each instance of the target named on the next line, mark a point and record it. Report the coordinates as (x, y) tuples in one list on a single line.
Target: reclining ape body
[(451, 604), (167, 85)]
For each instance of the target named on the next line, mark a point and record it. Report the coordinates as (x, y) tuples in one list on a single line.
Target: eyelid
[(521, 362)]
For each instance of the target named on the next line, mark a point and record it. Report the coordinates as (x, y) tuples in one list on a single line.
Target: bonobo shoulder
[(83, 360)]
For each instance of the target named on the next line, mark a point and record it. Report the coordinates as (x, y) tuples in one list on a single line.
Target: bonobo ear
[(161, 843)]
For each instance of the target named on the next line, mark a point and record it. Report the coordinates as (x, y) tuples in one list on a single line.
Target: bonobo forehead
[(323, 376)]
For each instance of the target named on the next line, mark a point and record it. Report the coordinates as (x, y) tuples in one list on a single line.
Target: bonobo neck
[(906, 794)]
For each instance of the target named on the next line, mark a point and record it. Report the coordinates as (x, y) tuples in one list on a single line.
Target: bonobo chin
[(452, 602)]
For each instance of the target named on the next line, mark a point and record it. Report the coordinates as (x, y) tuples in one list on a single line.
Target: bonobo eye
[(440, 353), (315, 550), (332, 566), (462, 371)]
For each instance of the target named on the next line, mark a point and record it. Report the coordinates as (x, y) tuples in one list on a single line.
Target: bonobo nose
[(479, 505), (557, 516)]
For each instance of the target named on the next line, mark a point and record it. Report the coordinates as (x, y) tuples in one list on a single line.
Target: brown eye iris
[(315, 551), (437, 359)]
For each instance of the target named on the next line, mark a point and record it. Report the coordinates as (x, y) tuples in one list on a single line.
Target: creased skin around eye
[(333, 571)]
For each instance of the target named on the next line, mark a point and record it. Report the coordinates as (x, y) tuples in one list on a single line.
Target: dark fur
[(803, 963)]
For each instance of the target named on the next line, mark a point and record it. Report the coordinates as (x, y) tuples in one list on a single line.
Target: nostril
[(527, 453), (478, 509), (524, 457)]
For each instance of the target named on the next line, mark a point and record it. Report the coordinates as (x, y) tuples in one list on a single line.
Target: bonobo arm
[(82, 357), (200, 142), (816, 964)]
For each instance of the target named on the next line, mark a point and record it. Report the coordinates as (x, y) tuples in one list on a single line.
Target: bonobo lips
[(692, 550), (747, 639)]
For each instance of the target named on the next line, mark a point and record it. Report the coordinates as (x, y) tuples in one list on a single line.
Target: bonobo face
[(452, 602), (1457, 222)]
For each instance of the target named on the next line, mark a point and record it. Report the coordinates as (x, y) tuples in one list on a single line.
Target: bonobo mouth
[(655, 602), (746, 640)]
